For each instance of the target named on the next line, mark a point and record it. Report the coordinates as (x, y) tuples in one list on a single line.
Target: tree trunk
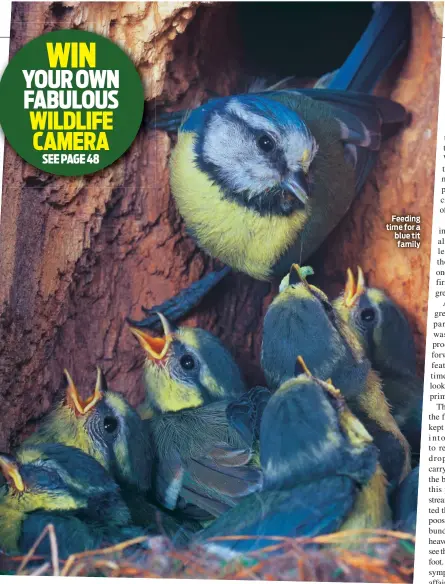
[(78, 255)]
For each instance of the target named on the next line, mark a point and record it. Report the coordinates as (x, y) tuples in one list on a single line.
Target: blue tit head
[(257, 150), (186, 368), (31, 485), (55, 477), (26, 488), (318, 435), (381, 326), (302, 321), (104, 426)]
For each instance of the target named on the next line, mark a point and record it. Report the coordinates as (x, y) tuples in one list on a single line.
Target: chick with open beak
[(186, 368), (301, 320), (203, 461), (104, 426), (107, 428), (387, 339)]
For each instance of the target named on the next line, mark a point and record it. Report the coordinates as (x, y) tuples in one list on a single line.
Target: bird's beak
[(298, 186), (353, 289), (77, 404), (302, 364), (155, 347), (10, 471), (355, 431), (330, 388), (296, 277), (101, 383)]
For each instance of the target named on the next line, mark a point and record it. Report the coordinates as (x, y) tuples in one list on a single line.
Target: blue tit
[(104, 426), (404, 503), (261, 179), (386, 336), (107, 428), (53, 483), (202, 459), (186, 367), (321, 472), (301, 320)]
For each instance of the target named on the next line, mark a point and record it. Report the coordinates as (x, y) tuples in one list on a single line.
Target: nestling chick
[(201, 459), (385, 335), (107, 428), (53, 483), (320, 470), (302, 321), (186, 368), (104, 426)]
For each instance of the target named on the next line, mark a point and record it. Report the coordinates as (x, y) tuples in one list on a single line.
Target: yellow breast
[(371, 509), (373, 402), (236, 235), (10, 528)]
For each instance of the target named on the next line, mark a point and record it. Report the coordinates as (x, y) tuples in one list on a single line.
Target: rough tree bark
[(79, 255)]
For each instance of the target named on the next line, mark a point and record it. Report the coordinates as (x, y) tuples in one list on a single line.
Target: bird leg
[(178, 306)]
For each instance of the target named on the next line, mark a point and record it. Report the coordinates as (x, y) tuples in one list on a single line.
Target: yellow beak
[(77, 404), (155, 347), (11, 472), (353, 289)]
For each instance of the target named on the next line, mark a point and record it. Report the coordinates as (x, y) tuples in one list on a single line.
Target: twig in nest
[(50, 531), (40, 571), (104, 551)]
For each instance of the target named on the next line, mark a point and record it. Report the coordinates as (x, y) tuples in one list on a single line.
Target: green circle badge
[(71, 102)]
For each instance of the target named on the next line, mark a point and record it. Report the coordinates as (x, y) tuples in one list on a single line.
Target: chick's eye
[(187, 362), (367, 315), (266, 143), (110, 424)]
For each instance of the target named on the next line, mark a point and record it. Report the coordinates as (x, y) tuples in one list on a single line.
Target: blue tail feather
[(384, 38)]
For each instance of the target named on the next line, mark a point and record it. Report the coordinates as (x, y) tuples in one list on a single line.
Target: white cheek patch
[(299, 150), (237, 158)]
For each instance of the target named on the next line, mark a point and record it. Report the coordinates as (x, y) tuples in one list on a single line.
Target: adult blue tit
[(53, 483), (404, 503), (301, 320), (261, 179), (321, 472), (104, 426), (386, 336), (202, 458)]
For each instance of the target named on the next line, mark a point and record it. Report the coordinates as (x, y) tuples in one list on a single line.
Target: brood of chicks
[(323, 448), (260, 179)]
